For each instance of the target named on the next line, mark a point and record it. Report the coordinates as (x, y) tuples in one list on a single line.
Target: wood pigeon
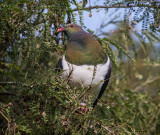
[(85, 62)]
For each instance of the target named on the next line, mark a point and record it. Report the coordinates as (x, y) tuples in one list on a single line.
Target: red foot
[(83, 108)]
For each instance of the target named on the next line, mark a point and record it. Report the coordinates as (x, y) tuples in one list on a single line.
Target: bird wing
[(106, 81)]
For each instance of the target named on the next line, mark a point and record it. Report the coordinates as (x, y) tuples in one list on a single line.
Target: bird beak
[(61, 29)]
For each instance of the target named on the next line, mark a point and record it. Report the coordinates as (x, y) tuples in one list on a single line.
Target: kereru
[(85, 62)]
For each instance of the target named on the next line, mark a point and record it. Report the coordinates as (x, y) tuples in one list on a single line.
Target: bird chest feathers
[(86, 75)]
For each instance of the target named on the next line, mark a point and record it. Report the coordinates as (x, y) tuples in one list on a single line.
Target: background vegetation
[(30, 46)]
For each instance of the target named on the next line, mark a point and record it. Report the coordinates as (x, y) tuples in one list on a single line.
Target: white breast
[(84, 74)]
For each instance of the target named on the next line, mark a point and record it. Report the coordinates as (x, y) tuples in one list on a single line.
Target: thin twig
[(70, 73), (114, 6), (7, 93), (5, 83), (4, 116), (148, 81)]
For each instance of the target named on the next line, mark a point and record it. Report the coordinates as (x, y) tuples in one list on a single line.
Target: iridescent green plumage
[(82, 47)]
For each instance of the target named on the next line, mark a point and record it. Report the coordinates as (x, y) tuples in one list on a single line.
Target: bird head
[(70, 29)]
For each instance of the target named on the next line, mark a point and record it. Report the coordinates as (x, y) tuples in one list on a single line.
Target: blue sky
[(100, 16)]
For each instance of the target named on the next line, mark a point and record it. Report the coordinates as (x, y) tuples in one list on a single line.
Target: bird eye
[(71, 26)]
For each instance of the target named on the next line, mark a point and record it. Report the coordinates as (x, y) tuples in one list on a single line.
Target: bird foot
[(83, 108)]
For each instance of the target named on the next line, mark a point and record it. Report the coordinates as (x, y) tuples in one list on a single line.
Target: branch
[(148, 81), (7, 93), (5, 117), (116, 6), (5, 83)]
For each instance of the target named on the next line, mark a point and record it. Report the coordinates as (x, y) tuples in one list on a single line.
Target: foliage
[(35, 100)]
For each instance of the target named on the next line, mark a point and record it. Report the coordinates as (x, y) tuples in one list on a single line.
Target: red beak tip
[(61, 29)]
